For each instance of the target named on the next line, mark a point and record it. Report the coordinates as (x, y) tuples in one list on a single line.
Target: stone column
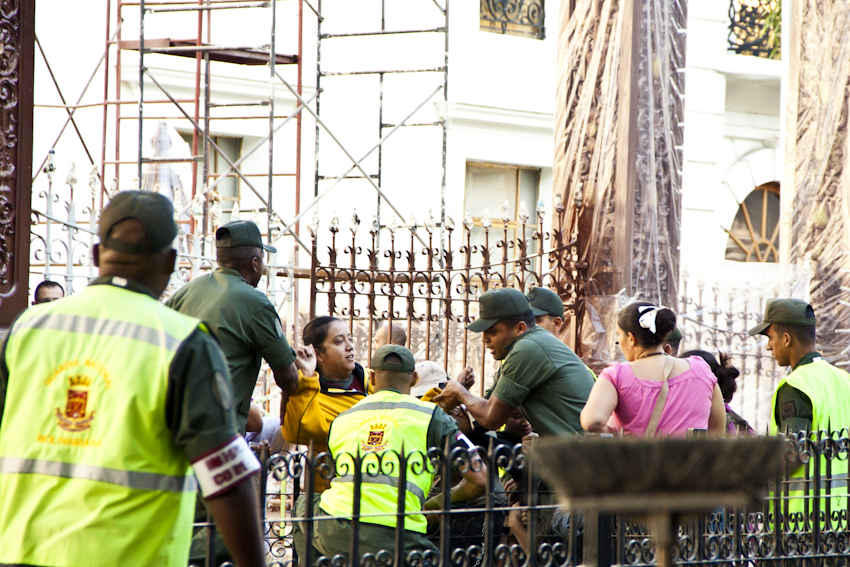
[(618, 156), (816, 185), (17, 35)]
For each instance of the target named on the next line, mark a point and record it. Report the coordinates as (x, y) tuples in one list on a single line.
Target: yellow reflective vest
[(377, 428), (89, 474), (828, 388)]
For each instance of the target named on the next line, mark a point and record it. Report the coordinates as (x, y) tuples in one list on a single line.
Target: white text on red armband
[(225, 467)]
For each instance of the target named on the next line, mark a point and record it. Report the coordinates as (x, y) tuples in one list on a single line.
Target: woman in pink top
[(625, 394)]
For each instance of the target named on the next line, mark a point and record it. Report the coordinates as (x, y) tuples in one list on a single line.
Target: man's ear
[(171, 261), (414, 379), (787, 339), (521, 328), (558, 323), (95, 255)]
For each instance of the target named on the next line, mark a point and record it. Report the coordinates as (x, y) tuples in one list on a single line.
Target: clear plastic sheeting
[(618, 142), (816, 206), (720, 301)]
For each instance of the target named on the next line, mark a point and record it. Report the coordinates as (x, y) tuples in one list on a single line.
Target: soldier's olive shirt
[(546, 380), (198, 412), (246, 325)]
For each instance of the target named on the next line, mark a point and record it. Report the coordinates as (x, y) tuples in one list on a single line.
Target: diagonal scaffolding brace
[(356, 162)]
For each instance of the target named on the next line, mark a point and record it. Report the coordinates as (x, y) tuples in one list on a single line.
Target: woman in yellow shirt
[(329, 382)]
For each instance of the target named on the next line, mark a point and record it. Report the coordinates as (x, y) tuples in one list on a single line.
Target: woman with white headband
[(653, 393)]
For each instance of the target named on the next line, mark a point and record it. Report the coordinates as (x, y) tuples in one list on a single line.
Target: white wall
[(731, 131)]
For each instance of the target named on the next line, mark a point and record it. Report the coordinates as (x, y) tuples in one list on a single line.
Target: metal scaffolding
[(130, 165)]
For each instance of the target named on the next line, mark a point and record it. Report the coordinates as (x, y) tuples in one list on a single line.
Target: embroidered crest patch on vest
[(74, 417), (376, 440)]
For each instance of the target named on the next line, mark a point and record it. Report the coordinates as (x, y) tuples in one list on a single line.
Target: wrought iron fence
[(432, 292), (64, 231), (513, 17), (755, 27), (803, 519), (719, 303)]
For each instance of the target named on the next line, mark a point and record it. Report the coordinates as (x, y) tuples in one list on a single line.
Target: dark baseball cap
[(794, 312), (497, 304), (407, 364), (152, 210), (673, 336), (240, 233), (544, 301)]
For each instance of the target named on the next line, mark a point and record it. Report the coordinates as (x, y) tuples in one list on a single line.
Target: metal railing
[(755, 27), (783, 531), (513, 17)]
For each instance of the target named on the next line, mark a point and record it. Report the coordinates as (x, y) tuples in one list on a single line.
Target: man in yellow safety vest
[(379, 428), (815, 395), (108, 402)]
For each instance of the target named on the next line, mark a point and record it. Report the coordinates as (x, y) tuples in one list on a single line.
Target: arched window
[(754, 236)]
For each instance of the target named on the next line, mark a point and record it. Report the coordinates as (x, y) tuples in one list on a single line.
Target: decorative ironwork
[(64, 231), (16, 80), (513, 17), (755, 27), (429, 291), (817, 207), (770, 534)]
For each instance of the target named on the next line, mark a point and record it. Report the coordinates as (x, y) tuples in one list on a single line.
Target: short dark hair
[(629, 321), (47, 284), (527, 318), (237, 257), (804, 335), (316, 331)]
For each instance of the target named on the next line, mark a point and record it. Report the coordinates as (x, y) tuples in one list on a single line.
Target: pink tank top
[(688, 402)]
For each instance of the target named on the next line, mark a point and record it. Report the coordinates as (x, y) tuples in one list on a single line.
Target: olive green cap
[(673, 336), (152, 210), (497, 304), (544, 301), (788, 311), (407, 364), (240, 233)]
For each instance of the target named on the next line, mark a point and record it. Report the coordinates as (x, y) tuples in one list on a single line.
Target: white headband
[(647, 320)]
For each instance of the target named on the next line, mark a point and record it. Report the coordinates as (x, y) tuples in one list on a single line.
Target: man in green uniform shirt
[(243, 318), (540, 375)]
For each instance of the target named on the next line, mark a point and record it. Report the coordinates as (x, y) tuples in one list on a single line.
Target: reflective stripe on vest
[(128, 479), (828, 388), (379, 428), (386, 480), (84, 443), (91, 326)]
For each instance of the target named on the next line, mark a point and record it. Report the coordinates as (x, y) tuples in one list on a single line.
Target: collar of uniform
[(534, 329), (123, 283), (231, 272), (808, 359)]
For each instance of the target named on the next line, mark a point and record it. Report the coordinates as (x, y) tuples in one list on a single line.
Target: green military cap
[(152, 210), (794, 312), (407, 364), (497, 304), (240, 233), (544, 301), (674, 335)]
